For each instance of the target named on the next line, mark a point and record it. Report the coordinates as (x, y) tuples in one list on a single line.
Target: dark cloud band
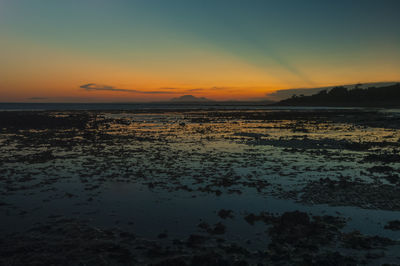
[(97, 87)]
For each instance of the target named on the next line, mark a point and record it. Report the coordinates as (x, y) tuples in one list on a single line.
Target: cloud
[(214, 88), (168, 88), (61, 99), (194, 90), (164, 90), (97, 87), (284, 94), (38, 98)]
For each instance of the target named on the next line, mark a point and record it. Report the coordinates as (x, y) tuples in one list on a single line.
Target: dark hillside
[(388, 96)]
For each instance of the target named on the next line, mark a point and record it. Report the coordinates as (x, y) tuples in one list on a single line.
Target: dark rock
[(224, 214), (393, 225)]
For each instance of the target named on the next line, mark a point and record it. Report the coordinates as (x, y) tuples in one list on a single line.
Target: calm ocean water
[(150, 106)]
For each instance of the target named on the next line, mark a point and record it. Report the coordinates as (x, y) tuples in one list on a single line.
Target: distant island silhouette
[(386, 96), (190, 99)]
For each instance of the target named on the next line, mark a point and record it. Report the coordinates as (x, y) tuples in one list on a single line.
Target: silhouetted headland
[(387, 96)]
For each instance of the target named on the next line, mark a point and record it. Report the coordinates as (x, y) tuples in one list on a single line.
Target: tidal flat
[(200, 187)]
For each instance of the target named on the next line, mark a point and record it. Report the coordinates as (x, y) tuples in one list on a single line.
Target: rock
[(224, 214), (393, 225)]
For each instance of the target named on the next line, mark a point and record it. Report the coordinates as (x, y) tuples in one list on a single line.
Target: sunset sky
[(150, 50)]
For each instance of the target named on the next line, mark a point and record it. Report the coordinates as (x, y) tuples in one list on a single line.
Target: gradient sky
[(148, 50)]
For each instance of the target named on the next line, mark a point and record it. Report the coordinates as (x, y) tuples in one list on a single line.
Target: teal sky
[(245, 48)]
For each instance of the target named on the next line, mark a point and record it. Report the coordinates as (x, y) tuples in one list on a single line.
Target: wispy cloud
[(194, 90), (163, 90), (61, 99), (287, 93), (214, 88), (97, 87), (38, 98)]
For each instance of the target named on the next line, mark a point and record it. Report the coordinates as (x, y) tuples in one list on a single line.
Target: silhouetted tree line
[(341, 96)]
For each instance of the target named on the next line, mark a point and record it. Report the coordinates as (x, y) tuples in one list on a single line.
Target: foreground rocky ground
[(200, 188)]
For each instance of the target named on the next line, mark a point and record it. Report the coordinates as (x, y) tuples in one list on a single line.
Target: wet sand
[(200, 187)]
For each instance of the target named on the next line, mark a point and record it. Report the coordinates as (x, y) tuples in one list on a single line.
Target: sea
[(153, 106)]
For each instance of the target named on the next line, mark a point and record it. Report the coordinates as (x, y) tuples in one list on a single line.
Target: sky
[(151, 50)]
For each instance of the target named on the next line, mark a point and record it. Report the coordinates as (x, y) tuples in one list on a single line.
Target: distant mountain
[(190, 99), (386, 96)]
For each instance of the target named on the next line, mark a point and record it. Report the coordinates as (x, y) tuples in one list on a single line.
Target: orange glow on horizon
[(41, 73)]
